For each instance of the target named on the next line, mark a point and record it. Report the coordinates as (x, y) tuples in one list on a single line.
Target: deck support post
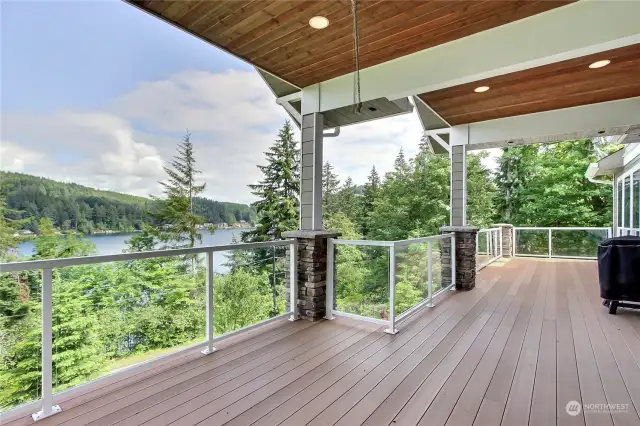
[(312, 272), (465, 257)]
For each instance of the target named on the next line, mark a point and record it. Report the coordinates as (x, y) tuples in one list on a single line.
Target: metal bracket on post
[(328, 308), (48, 409), (293, 280), (430, 274), (392, 291), (210, 325)]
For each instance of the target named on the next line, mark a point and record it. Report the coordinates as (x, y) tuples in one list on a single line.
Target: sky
[(99, 93)]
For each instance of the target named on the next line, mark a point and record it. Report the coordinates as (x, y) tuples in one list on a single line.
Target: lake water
[(116, 243)]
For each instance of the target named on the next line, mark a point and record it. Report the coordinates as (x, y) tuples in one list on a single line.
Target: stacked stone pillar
[(507, 238), (312, 272), (465, 244)]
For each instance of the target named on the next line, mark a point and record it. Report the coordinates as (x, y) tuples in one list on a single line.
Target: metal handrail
[(392, 245), (47, 266)]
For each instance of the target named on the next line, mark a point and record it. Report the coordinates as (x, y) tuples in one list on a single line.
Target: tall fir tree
[(515, 168), (369, 195), (277, 207), (278, 190), (348, 202), (176, 209), (330, 188)]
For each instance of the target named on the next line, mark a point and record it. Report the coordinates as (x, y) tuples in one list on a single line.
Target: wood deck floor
[(530, 338)]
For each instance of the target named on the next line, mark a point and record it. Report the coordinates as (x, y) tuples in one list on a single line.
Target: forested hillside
[(88, 210)]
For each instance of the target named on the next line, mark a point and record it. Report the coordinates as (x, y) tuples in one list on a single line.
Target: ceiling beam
[(575, 30), (595, 120)]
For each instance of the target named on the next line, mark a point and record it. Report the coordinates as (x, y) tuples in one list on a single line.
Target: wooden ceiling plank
[(618, 58), (565, 85), (340, 37), (622, 59), (286, 23), (265, 46), (220, 9), (597, 96), (236, 16), (428, 15), (263, 13), (179, 8), (560, 85), (201, 13), (422, 41), (459, 17), (157, 6), (286, 49)]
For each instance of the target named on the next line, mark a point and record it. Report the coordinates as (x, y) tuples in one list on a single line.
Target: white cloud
[(233, 119)]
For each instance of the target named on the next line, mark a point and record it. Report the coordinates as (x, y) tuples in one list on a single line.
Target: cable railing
[(558, 242), (192, 287), (488, 247), (385, 282)]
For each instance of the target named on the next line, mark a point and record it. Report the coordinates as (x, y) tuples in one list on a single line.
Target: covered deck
[(529, 339)]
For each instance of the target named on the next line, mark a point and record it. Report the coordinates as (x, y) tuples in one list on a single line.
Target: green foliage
[(546, 186), (278, 190)]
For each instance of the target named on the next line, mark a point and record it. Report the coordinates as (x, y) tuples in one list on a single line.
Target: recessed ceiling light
[(600, 64), (319, 22), (481, 89)]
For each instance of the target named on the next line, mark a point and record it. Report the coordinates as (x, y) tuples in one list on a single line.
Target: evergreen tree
[(277, 207), (278, 190), (348, 202), (369, 195), (330, 188), (515, 168), (176, 209), (400, 163)]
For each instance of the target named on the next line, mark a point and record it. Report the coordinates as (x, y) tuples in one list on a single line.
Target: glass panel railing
[(577, 242), (361, 280), (102, 314), (531, 242), (20, 338)]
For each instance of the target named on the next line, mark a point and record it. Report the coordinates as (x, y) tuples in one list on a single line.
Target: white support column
[(458, 200), (311, 172)]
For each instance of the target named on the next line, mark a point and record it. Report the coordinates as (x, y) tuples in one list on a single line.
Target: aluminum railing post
[(328, 313), (392, 291), (210, 320), (48, 408), (293, 280), (549, 242), (453, 262), (430, 274)]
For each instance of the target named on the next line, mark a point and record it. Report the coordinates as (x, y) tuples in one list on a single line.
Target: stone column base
[(465, 240), (312, 271), (507, 238)]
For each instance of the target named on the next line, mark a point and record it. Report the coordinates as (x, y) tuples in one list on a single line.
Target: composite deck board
[(530, 338)]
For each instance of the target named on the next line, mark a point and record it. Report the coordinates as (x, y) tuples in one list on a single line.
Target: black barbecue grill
[(619, 272)]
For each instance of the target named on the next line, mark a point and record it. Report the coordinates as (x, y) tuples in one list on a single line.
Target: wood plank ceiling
[(561, 85), (275, 35)]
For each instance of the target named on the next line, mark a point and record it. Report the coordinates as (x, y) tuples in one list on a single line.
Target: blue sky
[(99, 93), (87, 52)]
